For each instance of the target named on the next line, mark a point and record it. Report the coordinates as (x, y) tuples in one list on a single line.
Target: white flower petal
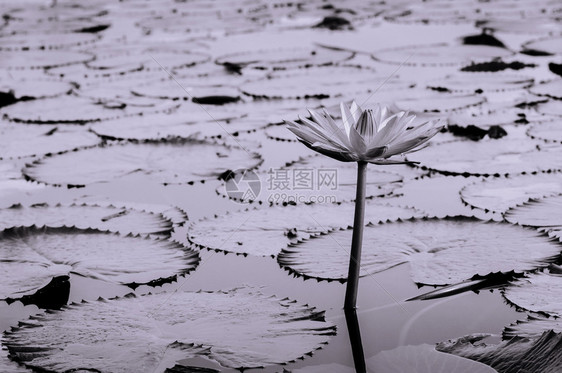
[(347, 118), (355, 111)]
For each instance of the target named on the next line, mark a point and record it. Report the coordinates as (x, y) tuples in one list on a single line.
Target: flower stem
[(357, 239)]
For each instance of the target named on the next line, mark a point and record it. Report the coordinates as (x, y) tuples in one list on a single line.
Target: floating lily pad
[(440, 251), (39, 59), (167, 162), (438, 102), (282, 59), (440, 54), (266, 231), (549, 132), (527, 25), (32, 256), (321, 82), (18, 140), (481, 82), (485, 116), (551, 107), (239, 329), (107, 218), (536, 293), (499, 195), (544, 212), (45, 41), (78, 110), (552, 89), (489, 157), (196, 123), (32, 89), (280, 133), (548, 46), (310, 180), (518, 354)]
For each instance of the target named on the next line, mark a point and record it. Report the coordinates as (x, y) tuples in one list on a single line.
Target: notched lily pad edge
[(175, 140), (167, 232), (530, 201), (491, 275), (518, 308), (34, 320), (193, 256)]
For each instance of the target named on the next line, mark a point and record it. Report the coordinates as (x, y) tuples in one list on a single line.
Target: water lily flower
[(372, 135), (363, 136)]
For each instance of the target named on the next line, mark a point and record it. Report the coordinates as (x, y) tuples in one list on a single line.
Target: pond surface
[(126, 129)]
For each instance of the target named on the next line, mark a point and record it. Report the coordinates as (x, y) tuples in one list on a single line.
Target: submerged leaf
[(266, 231), (518, 354), (440, 251), (167, 162), (499, 195), (238, 328), (32, 256), (107, 218)]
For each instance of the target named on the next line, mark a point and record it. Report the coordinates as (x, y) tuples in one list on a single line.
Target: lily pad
[(32, 256), (552, 89), (499, 195), (14, 60), (549, 131), (440, 251), (280, 133), (33, 89), (107, 218), (528, 25), (543, 212), (266, 231), (549, 46), (489, 157), (78, 110), (188, 121), (536, 292), (439, 55), (481, 82), (45, 41), (310, 180), (17, 141), (438, 102), (284, 58), (239, 329), (322, 82), (168, 162), (518, 354), (551, 107)]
